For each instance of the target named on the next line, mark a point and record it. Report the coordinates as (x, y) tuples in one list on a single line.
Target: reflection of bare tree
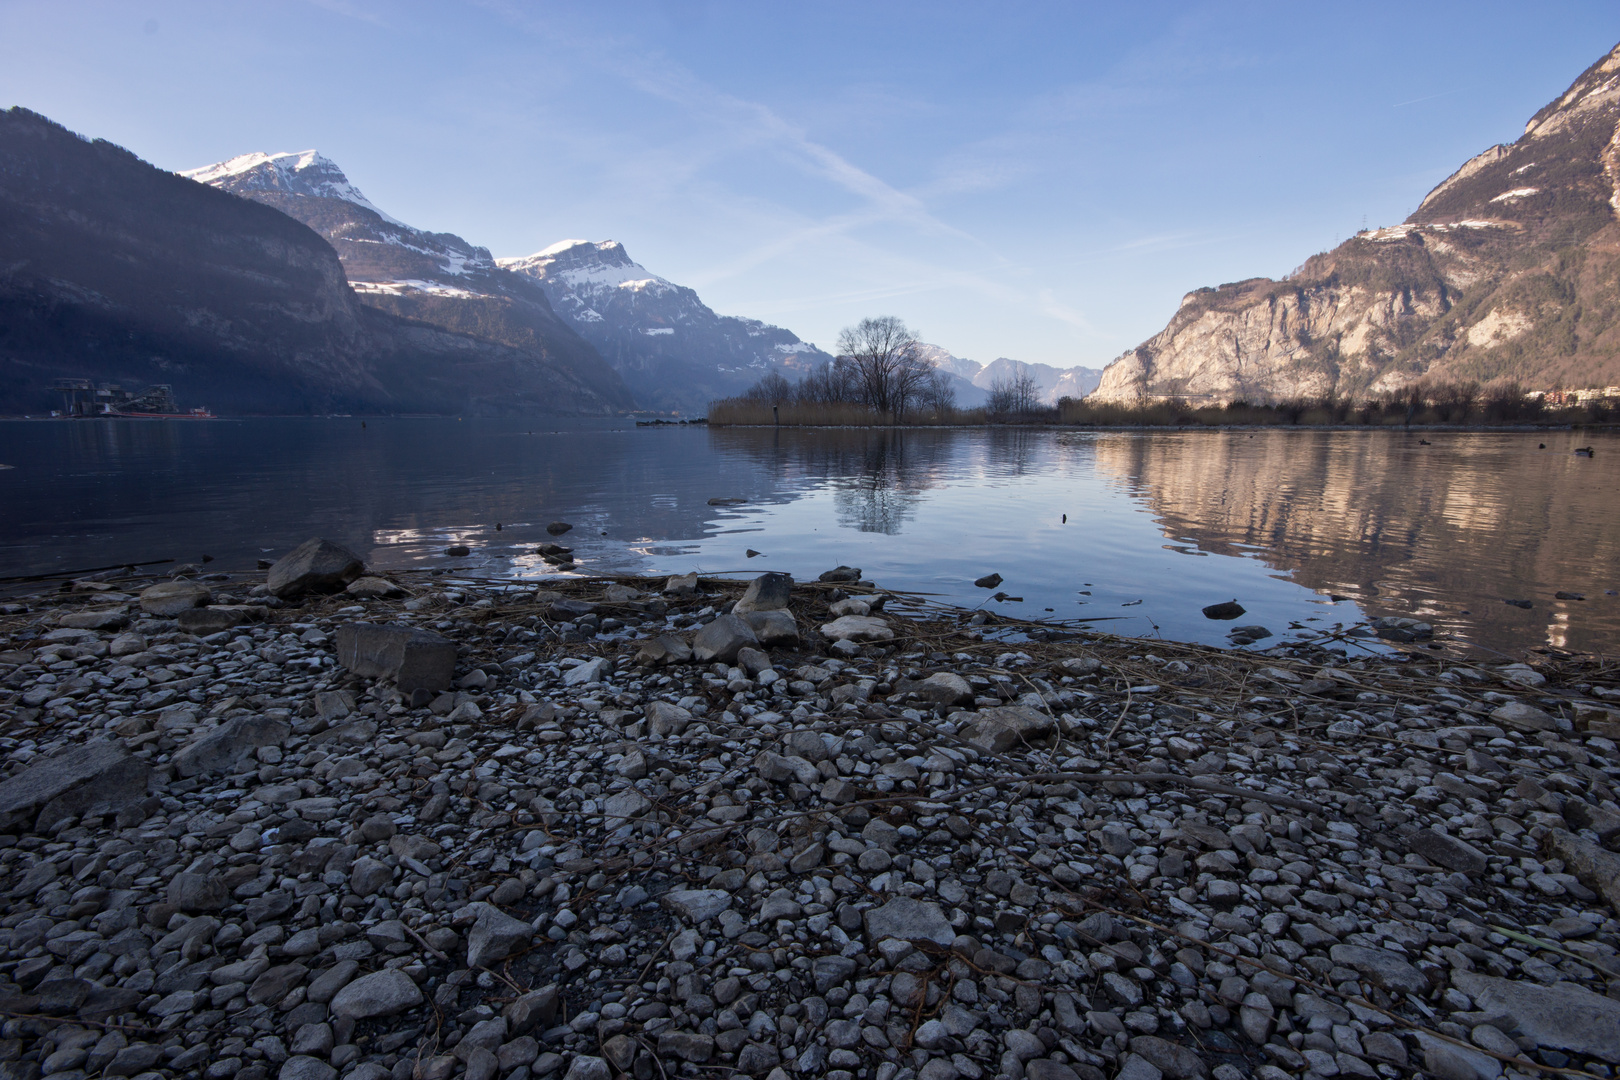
[(878, 475), (1013, 450)]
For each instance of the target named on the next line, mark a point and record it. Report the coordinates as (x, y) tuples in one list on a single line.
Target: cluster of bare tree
[(879, 366), (1019, 396)]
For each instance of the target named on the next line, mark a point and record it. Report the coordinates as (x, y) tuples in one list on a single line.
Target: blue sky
[(1039, 181)]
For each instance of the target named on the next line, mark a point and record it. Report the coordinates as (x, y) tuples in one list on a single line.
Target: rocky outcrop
[(1505, 272)]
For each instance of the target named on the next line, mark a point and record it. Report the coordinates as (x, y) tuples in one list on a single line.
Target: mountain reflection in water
[(1450, 530), (1139, 529)]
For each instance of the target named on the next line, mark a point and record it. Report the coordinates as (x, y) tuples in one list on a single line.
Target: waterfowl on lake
[(1583, 451), (1424, 442)]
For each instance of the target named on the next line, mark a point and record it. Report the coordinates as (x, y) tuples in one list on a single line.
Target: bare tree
[(773, 389), (829, 384), (938, 396), (1017, 396), (888, 369)]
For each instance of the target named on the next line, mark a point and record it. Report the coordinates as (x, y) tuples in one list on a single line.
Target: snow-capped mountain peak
[(303, 172), (583, 264), (659, 335)]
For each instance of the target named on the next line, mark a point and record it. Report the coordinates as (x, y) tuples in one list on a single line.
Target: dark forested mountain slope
[(113, 270)]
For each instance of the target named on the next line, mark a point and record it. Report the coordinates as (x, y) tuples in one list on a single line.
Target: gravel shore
[(830, 833)]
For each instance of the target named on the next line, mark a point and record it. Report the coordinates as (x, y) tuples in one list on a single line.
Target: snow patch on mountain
[(302, 172), (581, 264)]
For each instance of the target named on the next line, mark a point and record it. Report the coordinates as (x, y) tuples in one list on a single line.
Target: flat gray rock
[(909, 920), (170, 598), (857, 628), (96, 619), (1001, 728), (305, 1067), (1597, 868), (495, 935), (99, 776), (585, 674), (1448, 851), (944, 688), (413, 658), (697, 905), (1381, 967), (1562, 1016), (230, 746), (1448, 1061), (1516, 714), (382, 993)]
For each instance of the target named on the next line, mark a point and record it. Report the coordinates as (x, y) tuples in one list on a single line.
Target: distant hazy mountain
[(113, 270), (1507, 270), (433, 278), (973, 380), (672, 349)]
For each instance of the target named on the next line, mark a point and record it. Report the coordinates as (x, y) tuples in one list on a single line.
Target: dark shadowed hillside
[(111, 269)]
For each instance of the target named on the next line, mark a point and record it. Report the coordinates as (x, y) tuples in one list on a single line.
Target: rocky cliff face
[(113, 270), (1507, 271), (670, 346), (437, 279)]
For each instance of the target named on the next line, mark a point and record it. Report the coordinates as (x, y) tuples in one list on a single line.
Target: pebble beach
[(306, 823)]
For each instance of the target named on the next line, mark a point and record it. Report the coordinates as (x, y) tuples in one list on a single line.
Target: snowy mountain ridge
[(661, 336), (978, 379), (301, 172)]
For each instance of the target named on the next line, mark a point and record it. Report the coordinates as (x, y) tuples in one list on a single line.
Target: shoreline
[(920, 856), (1426, 428)]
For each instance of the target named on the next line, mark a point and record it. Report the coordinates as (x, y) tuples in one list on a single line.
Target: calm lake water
[(1158, 524)]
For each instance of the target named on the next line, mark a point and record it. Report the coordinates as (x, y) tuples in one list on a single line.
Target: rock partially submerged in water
[(1230, 609)]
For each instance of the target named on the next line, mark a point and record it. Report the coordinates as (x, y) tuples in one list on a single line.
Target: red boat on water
[(84, 401)]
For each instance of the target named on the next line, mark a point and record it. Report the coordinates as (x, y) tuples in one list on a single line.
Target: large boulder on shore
[(99, 776), (414, 659), (170, 598), (768, 592), (316, 565), (722, 639), (1002, 727)]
